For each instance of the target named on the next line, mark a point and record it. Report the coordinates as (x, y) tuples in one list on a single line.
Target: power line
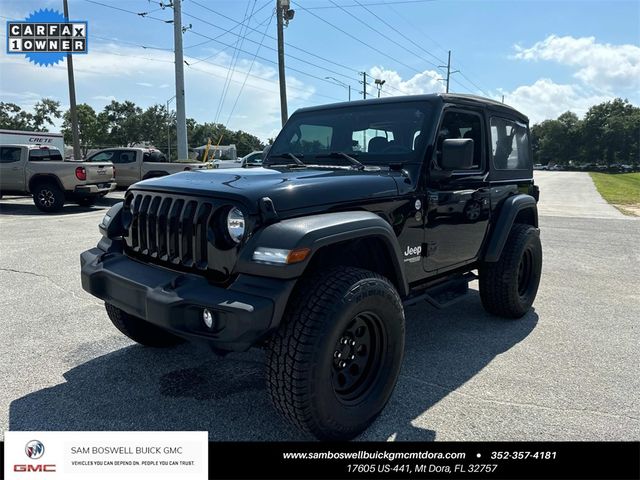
[(146, 47), (289, 45), (263, 79), (190, 65), (237, 24), (357, 39), (233, 109), (399, 32), (358, 19), (225, 44), (267, 19), (473, 83), (374, 4), (215, 39), (234, 60), (302, 72), (444, 50), (129, 11), (324, 69)]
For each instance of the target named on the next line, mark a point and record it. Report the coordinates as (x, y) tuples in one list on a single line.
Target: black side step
[(446, 293)]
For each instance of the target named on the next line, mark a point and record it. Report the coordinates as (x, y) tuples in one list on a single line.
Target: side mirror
[(457, 154), (265, 152)]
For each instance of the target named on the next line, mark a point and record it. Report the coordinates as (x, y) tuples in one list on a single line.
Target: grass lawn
[(620, 189)]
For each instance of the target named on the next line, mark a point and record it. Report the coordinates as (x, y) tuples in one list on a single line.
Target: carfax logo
[(46, 36)]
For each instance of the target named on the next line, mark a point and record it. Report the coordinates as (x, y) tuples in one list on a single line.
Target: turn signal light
[(298, 255)]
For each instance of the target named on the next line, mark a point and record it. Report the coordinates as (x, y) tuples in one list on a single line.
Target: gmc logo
[(34, 468)]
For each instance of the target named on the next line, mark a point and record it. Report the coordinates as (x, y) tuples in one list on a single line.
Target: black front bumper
[(244, 312)]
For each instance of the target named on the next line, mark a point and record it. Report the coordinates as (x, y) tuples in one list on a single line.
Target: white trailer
[(43, 139)]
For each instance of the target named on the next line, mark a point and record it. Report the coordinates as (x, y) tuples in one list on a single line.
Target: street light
[(342, 84), (379, 84), (169, 129)]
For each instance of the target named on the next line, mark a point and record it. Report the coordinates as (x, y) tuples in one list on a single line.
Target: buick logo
[(34, 449)]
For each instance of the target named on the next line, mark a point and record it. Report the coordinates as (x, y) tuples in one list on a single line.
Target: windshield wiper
[(356, 164), (290, 156)]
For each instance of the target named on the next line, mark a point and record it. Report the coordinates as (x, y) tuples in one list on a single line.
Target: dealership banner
[(106, 455), (183, 455)]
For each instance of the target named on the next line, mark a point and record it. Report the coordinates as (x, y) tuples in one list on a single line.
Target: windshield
[(374, 134)]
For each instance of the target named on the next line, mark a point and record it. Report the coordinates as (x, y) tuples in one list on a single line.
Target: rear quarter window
[(510, 144)]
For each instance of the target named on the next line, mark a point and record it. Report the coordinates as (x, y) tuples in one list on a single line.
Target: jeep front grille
[(169, 228)]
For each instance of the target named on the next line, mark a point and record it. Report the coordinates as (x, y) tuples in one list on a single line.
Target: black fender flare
[(44, 177), (509, 210), (315, 232)]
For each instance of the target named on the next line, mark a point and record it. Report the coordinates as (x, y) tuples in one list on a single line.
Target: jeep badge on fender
[(314, 255)]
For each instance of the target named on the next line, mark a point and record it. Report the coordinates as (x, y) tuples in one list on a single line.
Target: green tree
[(153, 125), (12, 116), (44, 113), (609, 133), (122, 120), (90, 130)]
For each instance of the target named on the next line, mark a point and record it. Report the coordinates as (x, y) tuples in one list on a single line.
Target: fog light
[(207, 317)]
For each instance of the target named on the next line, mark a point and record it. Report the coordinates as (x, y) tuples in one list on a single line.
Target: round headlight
[(235, 224)]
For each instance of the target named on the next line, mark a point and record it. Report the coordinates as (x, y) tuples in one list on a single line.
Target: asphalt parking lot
[(567, 371)]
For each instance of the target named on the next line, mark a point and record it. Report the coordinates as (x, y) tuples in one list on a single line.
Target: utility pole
[(448, 67), (77, 155), (181, 121), (283, 13), (169, 129), (364, 85), (502, 98)]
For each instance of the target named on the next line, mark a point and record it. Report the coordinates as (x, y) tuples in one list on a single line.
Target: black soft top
[(438, 98)]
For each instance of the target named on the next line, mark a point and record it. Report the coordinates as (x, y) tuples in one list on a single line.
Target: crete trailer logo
[(34, 450), (46, 36)]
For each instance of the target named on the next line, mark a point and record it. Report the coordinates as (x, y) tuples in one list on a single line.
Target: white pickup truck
[(133, 164), (41, 172)]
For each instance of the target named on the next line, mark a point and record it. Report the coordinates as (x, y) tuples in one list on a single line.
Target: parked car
[(133, 164), (254, 159), (315, 256), (42, 173), (218, 163)]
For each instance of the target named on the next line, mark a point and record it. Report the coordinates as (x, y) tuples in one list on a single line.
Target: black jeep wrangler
[(359, 210)]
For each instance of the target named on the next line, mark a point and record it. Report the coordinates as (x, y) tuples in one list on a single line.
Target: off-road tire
[(139, 330), (303, 372), (508, 287), (48, 197)]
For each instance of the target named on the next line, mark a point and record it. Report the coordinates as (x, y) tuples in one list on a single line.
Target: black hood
[(288, 188)]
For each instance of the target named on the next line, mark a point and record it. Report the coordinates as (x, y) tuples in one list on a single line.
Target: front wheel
[(508, 287), (335, 360)]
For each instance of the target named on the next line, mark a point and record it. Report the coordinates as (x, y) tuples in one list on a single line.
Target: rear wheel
[(335, 360), (48, 197), (508, 287), (139, 330)]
